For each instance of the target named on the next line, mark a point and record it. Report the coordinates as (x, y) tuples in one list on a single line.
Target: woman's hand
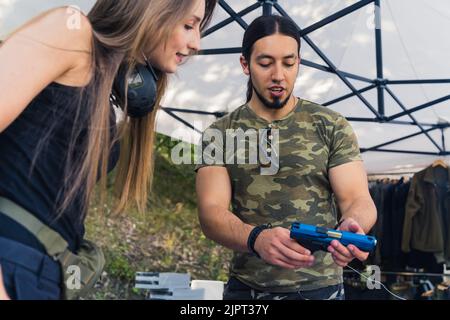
[(3, 294)]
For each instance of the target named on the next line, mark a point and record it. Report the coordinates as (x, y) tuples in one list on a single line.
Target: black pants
[(236, 290), (29, 274)]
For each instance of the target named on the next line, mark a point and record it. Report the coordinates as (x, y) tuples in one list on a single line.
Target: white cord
[(393, 294)]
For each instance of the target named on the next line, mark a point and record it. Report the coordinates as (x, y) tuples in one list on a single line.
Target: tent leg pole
[(379, 55), (267, 6), (443, 141)]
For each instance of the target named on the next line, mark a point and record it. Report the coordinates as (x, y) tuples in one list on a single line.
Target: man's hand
[(344, 255), (276, 247), (3, 294)]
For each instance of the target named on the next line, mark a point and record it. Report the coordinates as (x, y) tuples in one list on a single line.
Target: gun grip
[(312, 245)]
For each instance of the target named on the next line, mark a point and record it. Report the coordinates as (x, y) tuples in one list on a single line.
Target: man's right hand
[(3, 294), (276, 247)]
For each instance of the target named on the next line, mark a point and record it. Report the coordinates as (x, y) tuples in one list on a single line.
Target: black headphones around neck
[(142, 89)]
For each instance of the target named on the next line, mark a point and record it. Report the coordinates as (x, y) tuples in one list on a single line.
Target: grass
[(166, 239)]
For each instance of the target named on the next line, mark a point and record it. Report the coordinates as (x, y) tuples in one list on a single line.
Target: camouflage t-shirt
[(312, 140)]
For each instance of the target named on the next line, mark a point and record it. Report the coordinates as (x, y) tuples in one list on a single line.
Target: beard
[(277, 103)]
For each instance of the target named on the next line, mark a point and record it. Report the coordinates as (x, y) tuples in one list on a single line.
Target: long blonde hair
[(121, 31)]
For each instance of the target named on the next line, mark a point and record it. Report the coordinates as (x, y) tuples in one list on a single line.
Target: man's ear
[(245, 65)]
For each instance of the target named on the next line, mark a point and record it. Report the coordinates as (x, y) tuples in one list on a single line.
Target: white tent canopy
[(413, 48)]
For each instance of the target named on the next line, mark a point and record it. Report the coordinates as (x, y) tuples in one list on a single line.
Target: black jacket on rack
[(390, 199), (427, 214)]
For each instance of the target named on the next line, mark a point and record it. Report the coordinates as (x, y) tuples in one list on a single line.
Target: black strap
[(253, 235)]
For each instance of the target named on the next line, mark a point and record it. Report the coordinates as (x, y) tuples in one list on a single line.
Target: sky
[(413, 48)]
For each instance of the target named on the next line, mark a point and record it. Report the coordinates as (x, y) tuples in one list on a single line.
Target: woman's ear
[(245, 65)]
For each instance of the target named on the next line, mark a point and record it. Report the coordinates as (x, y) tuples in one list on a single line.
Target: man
[(314, 158)]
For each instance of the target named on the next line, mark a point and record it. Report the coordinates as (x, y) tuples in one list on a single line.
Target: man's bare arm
[(219, 224), (349, 183)]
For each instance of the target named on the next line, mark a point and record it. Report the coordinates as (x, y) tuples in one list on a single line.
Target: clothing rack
[(394, 176), (403, 173), (412, 274)]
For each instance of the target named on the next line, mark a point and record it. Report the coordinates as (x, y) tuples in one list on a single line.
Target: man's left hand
[(344, 255)]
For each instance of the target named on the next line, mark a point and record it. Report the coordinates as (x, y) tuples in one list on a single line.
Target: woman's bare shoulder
[(63, 28), (67, 32)]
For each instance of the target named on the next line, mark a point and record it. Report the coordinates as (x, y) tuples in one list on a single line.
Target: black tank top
[(38, 190)]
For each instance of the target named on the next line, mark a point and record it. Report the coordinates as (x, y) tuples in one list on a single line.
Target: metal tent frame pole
[(380, 84)]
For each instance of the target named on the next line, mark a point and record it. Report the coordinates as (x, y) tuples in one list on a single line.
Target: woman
[(58, 134)]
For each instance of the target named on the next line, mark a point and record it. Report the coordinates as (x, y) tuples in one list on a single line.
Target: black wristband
[(253, 235)]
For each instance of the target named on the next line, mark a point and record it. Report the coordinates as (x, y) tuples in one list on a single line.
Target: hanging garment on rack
[(396, 221), (427, 212), (377, 194), (390, 198), (425, 261), (386, 240)]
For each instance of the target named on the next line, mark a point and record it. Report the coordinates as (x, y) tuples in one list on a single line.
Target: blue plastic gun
[(319, 238)]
